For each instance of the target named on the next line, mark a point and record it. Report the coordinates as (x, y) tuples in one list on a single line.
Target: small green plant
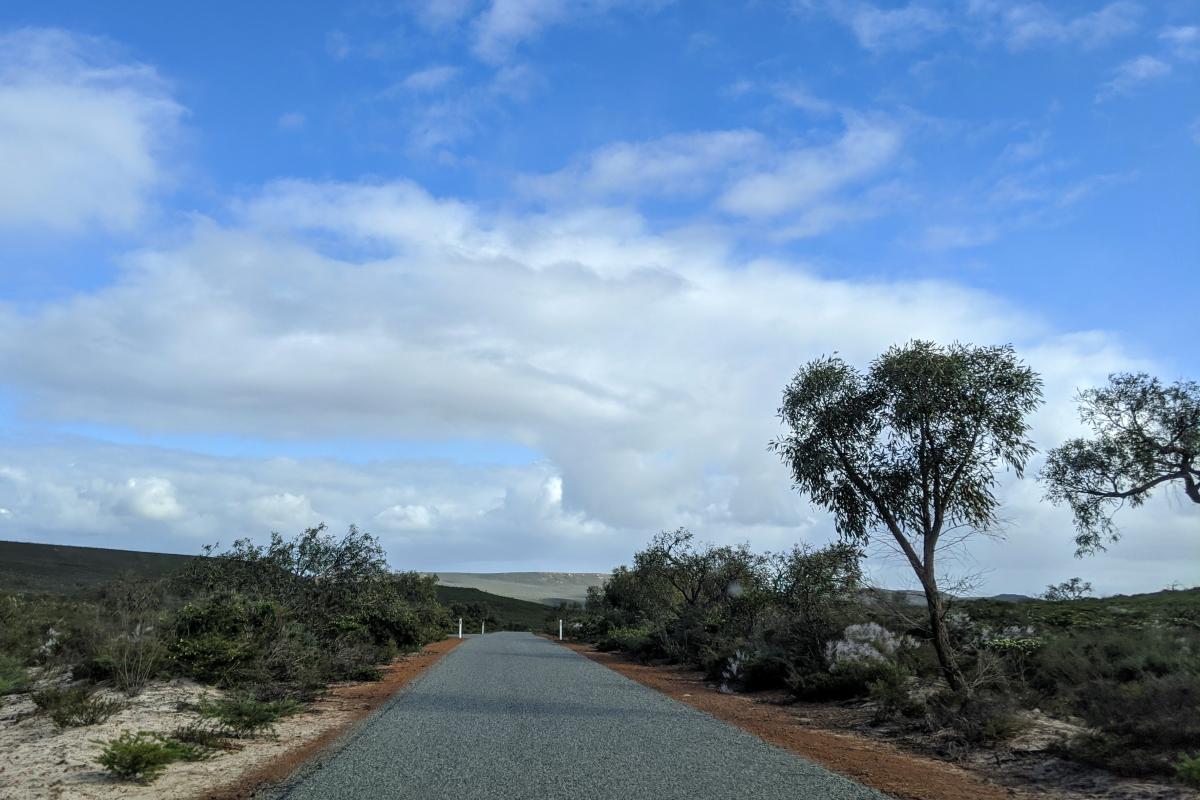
[(13, 677), (244, 716), (1187, 769), (207, 736), (76, 707), (141, 756)]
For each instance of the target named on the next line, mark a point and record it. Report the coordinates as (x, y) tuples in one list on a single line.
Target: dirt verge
[(357, 699)]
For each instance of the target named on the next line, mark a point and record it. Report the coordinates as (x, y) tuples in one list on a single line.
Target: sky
[(515, 284)]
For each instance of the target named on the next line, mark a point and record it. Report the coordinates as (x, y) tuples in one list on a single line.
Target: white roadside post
[(482, 627), (560, 630), (460, 627)]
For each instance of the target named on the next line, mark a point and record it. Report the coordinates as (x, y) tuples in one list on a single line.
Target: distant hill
[(549, 588), (65, 569)]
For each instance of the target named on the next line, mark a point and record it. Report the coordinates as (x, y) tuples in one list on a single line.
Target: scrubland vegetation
[(907, 453), (1126, 670), (270, 626)]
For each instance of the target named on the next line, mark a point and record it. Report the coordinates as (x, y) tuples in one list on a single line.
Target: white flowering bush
[(866, 643)]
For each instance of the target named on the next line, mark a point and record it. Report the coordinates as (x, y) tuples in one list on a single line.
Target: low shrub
[(143, 756), (13, 676), (634, 641), (75, 707), (890, 691), (244, 716), (848, 680), (204, 735), (1187, 769), (979, 718), (140, 756)]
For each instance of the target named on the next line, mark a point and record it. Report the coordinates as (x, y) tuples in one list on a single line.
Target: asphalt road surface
[(511, 715)]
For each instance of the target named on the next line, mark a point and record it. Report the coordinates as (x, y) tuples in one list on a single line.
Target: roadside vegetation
[(907, 454), (268, 627)]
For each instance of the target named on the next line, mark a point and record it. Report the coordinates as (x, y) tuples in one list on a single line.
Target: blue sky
[(517, 282)]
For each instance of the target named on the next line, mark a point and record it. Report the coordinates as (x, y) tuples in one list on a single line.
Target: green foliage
[(892, 696), (910, 448), (1187, 769), (637, 642), (1073, 589), (205, 736), (243, 716), (850, 680), (75, 707), (13, 677), (1145, 434), (144, 756)]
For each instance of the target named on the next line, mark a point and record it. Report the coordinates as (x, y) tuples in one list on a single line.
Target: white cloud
[(1183, 40), (440, 14), (507, 24), (283, 511), (807, 175), (1133, 73), (680, 164), (430, 78), (1024, 25), (83, 133), (644, 367), (895, 28), (154, 499)]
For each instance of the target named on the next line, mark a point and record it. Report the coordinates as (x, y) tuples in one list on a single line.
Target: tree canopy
[(1146, 434), (911, 448)]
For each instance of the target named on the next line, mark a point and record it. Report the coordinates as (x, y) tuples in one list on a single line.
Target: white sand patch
[(39, 761)]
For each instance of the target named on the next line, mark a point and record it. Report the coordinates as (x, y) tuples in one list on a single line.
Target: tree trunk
[(941, 637)]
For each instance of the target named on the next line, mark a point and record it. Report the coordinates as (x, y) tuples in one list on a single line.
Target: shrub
[(134, 658), (846, 681), (205, 736), (143, 756), (891, 694), (1187, 769), (978, 718), (634, 641), (13, 677), (71, 708), (244, 716)]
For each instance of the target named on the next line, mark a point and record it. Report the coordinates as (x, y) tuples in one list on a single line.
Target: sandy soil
[(839, 738), (43, 763)]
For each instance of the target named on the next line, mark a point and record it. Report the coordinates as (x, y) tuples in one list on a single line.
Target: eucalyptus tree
[(1146, 435), (910, 451)]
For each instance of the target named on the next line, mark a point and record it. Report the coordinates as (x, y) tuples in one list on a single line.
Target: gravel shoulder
[(511, 715)]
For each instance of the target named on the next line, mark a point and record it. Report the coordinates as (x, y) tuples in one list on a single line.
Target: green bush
[(848, 680), (244, 716), (143, 756), (75, 707), (890, 691), (634, 641), (205, 736), (13, 676), (1187, 769)]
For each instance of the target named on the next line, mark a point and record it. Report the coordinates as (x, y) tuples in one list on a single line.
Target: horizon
[(516, 284)]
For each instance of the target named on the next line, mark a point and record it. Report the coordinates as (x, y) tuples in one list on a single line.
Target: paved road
[(510, 715)]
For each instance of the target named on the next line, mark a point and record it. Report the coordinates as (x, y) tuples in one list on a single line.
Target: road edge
[(277, 778), (868, 765)]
